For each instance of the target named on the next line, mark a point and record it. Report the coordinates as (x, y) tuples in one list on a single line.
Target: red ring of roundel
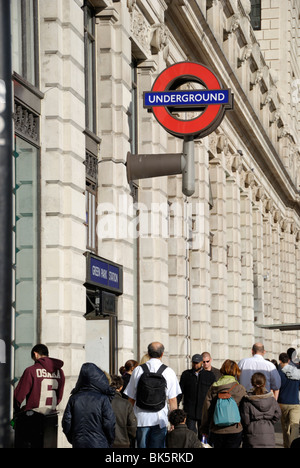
[(200, 124)]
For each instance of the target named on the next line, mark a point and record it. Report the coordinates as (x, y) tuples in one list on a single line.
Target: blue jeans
[(151, 437)]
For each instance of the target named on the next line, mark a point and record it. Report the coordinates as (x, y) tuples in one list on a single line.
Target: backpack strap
[(159, 372), (161, 369), (226, 394), (234, 385), (145, 367)]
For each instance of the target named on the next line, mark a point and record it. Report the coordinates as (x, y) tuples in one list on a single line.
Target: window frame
[(24, 43), (91, 194), (90, 41), (255, 15)]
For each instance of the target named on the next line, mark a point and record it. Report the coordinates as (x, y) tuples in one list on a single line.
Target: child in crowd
[(180, 436), (125, 417), (259, 412)]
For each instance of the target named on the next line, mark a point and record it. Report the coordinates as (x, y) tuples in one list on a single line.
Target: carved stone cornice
[(26, 123), (249, 179), (108, 14), (259, 193), (159, 37)]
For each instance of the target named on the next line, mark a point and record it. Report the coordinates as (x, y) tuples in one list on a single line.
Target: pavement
[(278, 435)]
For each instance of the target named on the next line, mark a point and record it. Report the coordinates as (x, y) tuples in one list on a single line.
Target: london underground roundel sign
[(166, 101)]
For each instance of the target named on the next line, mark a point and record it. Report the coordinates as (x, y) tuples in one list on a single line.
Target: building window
[(91, 164), (255, 14), (90, 67), (26, 181), (27, 250), (25, 57), (92, 141)]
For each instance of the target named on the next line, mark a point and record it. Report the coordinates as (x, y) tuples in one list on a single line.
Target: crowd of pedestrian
[(236, 406)]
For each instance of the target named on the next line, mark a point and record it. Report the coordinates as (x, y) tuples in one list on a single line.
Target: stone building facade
[(214, 272)]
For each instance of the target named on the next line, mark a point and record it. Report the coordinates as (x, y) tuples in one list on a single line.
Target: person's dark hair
[(156, 350), (129, 365), (258, 381), (116, 382), (284, 358), (291, 352), (177, 417), (41, 349)]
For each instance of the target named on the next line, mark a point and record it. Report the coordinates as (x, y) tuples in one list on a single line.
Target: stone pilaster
[(116, 224), (247, 272), (258, 269), (200, 255), (154, 261), (268, 278), (63, 183), (233, 241), (219, 318)]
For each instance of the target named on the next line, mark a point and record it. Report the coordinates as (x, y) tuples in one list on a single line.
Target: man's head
[(258, 348), (156, 350), (39, 351), (197, 362), (206, 361), (284, 359)]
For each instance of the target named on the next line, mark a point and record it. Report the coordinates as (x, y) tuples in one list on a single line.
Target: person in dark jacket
[(125, 418), (195, 384), (288, 400), (259, 412), (89, 420), (180, 436)]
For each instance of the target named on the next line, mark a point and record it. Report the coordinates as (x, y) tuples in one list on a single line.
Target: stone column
[(258, 269), (154, 262), (219, 318), (63, 182), (179, 270), (233, 240), (267, 277), (275, 292), (291, 281), (200, 254), (247, 272), (116, 224), (63, 237), (284, 272)]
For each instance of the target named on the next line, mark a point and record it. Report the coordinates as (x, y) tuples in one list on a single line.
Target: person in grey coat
[(259, 413)]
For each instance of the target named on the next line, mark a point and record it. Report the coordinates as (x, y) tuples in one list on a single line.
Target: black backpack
[(151, 390)]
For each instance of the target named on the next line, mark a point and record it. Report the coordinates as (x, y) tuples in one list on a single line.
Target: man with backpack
[(151, 387)]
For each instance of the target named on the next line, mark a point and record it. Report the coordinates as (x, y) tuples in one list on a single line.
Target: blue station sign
[(188, 98), (104, 274)]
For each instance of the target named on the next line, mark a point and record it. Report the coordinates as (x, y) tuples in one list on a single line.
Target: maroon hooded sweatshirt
[(42, 385)]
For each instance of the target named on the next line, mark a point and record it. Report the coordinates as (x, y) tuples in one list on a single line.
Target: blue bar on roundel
[(193, 98)]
